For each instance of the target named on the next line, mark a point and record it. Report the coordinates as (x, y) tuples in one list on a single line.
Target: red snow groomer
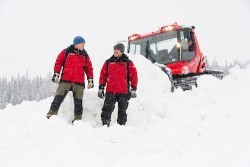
[(176, 50)]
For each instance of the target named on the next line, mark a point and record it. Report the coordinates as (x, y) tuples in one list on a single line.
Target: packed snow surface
[(206, 127)]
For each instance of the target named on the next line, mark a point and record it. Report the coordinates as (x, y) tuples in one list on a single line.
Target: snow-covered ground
[(206, 127)]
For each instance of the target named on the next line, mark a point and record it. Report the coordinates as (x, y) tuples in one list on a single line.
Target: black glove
[(133, 92), (101, 92), (55, 77)]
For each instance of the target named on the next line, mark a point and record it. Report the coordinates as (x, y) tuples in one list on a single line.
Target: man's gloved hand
[(90, 83), (133, 92), (101, 92), (55, 77)]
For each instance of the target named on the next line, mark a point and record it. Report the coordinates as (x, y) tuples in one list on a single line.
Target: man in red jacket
[(73, 63), (119, 74), (191, 46)]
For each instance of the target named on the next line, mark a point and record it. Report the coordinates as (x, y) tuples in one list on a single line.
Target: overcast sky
[(32, 33)]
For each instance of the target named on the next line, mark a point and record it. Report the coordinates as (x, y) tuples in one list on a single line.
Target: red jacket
[(75, 64), (191, 48), (118, 74)]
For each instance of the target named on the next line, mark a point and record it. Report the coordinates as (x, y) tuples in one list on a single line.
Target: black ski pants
[(109, 105)]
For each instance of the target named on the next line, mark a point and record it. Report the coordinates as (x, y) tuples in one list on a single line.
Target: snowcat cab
[(176, 50)]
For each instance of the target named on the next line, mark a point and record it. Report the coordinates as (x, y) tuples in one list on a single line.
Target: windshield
[(163, 48), (160, 48)]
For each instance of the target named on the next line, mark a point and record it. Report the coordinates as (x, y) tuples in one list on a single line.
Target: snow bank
[(206, 127)]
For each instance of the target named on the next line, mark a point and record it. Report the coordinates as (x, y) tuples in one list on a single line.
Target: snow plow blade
[(186, 82)]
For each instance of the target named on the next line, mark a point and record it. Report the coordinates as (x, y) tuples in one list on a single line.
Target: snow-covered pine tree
[(21, 88)]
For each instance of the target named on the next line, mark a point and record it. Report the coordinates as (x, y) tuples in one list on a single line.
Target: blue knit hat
[(78, 39)]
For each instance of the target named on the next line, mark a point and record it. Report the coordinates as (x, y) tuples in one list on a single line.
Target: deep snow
[(206, 127)]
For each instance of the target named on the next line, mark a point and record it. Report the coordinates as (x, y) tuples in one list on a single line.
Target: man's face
[(80, 46), (117, 53), (190, 43)]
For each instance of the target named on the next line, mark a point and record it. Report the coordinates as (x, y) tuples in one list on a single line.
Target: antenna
[(121, 41)]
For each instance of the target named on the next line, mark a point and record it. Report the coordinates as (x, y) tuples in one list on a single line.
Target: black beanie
[(120, 47)]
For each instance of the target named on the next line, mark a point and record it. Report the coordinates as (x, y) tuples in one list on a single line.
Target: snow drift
[(208, 126)]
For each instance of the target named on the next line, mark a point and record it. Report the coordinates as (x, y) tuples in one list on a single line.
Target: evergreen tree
[(23, 88)]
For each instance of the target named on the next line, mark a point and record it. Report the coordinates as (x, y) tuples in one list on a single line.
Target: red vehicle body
[(175, 47)]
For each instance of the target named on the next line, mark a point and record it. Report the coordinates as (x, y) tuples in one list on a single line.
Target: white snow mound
[(208, 126)]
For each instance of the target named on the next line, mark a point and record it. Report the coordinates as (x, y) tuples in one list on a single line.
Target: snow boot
[(106, 122), (51, 113), (77, 117)]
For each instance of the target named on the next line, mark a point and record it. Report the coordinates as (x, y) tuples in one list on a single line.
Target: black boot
[(106, 122), (77, 118)]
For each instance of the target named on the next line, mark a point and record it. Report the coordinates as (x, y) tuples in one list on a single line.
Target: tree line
[(225, 68), (24, 88)]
